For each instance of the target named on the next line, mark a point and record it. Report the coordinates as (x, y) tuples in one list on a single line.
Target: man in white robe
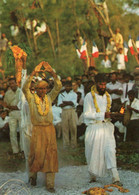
[(26, 124), (99, 136)]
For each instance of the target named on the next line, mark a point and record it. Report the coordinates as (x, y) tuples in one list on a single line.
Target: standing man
[(115, 89), (67, 100), (118, 38), (127, 86), (99, 136), (11, 100), (133, 125), (43, 147)]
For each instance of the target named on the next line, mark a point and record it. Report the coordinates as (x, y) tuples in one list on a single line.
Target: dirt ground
[(127, 156), (66, 157)]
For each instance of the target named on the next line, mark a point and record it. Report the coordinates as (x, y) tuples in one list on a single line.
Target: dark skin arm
[(112, 115), (9, 107), (66, 103), (132, 109), (116, 91)]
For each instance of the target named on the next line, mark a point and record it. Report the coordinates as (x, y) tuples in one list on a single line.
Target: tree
[(65, 22)]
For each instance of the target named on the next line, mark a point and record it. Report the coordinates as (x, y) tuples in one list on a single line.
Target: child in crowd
[(4, 124), (120, 60)]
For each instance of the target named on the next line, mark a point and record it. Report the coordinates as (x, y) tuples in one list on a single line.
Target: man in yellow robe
[(43, 147)]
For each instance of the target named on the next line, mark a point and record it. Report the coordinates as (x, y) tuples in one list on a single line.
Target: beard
[(101, 91)]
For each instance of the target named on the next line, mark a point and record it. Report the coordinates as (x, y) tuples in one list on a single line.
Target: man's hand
[(47, 67), (6, 126), (107, 114), (68, 103), (38, 67), (3, 104), (132, 109), (129, 107)]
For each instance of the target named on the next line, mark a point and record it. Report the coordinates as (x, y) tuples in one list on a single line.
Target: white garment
[(4, 121), (24, 107), (81, 89), (120, 61), (99, 137), (26, 124), (106, 64), (56, 114), (14, 30), (121, 128), (112, 86), (135, 105), (12, 99), (129, 86), (64, 96)]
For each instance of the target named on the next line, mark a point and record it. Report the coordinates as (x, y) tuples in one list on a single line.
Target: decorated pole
[(20, 58)]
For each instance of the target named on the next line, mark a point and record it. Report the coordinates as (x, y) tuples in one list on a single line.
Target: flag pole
[(136, 52)]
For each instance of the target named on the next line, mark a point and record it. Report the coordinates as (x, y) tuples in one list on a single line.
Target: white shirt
[(112, 86), (106, 64), (4, 121), (135, 105), (12, 99), (120, 61), (71, 96), (56, 114), (126, 86), (81, 89), (89, 110)]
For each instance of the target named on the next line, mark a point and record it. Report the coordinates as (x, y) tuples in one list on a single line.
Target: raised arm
[(57, 83)]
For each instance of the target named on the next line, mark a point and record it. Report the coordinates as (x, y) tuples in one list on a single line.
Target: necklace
[(41, 110), (93, 91)]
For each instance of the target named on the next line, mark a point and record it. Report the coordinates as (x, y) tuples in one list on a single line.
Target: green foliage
[(130, 159), (9, 58), (71, 15), (9, 54), (25, 48)]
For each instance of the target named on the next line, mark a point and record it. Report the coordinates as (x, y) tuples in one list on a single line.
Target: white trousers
[(13, 124)]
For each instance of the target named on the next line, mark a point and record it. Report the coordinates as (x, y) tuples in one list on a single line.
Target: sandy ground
[(71, 180)]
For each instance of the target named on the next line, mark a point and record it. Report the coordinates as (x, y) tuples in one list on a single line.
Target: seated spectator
[(4, 124), (2, 93), (133, 125)]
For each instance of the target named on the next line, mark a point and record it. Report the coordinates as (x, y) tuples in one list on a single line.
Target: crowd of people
[(100, 108), (97, 107)]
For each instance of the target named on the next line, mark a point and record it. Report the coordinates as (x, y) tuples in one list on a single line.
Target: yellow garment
[(36, 118), (43, 148), (118, 38)]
